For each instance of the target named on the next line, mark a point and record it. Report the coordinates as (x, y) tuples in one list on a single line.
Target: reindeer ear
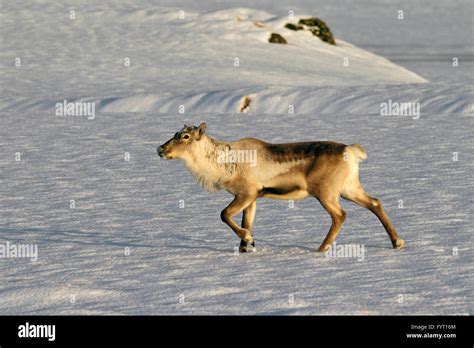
[(200, 131)]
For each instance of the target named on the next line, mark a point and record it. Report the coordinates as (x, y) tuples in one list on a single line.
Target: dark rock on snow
[(277, 38)]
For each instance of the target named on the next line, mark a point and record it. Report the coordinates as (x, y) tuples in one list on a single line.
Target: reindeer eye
[(186, 136)]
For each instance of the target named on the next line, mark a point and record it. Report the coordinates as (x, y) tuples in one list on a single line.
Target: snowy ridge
[(157, 43), (306, 73), (433, 99)]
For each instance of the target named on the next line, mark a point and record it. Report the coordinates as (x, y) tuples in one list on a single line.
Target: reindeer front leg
[(240, 202), (248, 217)]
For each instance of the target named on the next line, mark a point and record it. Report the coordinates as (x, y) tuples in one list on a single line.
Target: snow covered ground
[(141, 237)]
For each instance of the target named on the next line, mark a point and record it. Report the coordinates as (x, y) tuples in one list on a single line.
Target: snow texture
[(144, 238)]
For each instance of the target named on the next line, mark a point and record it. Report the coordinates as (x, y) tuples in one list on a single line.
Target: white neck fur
[(202, 163)]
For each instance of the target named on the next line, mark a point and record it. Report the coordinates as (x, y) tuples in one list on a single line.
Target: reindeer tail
[(358, 151)]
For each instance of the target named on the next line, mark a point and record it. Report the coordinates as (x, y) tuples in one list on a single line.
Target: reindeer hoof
[(398, 243), (244, 246), (323, 248)]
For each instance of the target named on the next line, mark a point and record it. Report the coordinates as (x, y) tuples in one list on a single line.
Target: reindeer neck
[(204, 151), (202, 163)]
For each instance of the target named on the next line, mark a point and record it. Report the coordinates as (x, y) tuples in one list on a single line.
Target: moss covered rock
[(277, 38), (294, 27), (319, 29)]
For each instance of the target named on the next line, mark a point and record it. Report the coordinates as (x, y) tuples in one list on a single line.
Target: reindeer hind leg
[(360, 197)]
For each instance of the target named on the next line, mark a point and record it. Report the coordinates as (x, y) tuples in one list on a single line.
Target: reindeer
[(323, 169)]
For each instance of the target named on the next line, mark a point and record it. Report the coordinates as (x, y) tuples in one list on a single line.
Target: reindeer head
[(182, 142)]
